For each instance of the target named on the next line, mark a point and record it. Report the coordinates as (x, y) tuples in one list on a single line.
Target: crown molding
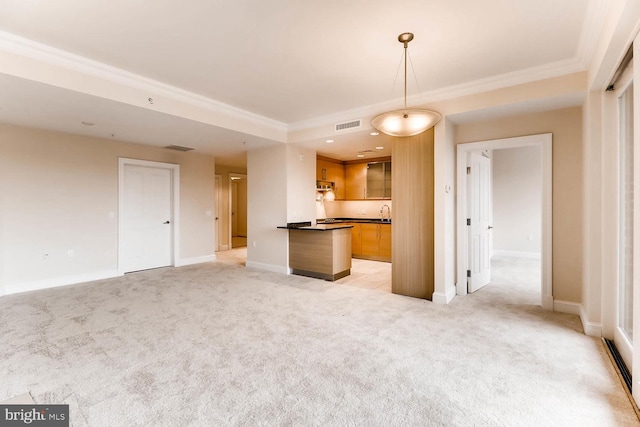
[(47, 54), (40, 52), (597, 11), (542, 72)]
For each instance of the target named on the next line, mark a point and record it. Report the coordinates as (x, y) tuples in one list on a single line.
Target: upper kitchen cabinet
[(379, 180), (334, 171), (370, 179), (356, 177)]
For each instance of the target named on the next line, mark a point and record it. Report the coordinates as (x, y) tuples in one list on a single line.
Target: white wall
[(60, 193), (444, 212), (281, 189), (598, 311), (267, 209), (566, 127), (301, 184), (517, 197)]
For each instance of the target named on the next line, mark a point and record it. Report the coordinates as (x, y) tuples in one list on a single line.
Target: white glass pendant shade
[(408, 122), (329, 196)]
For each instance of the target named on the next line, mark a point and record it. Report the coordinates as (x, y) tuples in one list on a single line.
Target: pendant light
[(408, 121)]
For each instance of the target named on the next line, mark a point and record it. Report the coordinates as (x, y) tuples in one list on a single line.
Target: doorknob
[(490, 227), (167, 222)]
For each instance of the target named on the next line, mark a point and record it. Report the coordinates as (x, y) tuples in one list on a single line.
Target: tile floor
[(365, 274), (234, 256)]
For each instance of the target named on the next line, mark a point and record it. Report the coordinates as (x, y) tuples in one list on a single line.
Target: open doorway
[(506, 196), (238, 210), (516, 206)]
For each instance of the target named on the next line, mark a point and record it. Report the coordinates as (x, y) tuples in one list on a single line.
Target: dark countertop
[(319, 227), (358, 220)]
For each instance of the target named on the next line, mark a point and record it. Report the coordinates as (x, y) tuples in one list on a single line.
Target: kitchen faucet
[(388, 219)]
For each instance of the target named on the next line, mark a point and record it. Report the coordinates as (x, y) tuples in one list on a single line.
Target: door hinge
[(468, 221), (468, 273), (468, 170)]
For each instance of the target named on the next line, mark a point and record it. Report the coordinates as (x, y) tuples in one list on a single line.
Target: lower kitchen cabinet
[(356, 240), (385, 242), (371, 241)]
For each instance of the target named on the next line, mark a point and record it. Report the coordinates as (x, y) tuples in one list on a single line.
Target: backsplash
[(356, 208)]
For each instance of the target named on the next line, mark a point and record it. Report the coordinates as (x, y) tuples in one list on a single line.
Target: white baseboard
[(518, 254), (15, 288), (567, 307), (195, 260), (591, 329), (268, 267), (444, 298)]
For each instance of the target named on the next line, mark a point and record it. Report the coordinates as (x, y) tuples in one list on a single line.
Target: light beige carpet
[(22, 399), (219, 344)]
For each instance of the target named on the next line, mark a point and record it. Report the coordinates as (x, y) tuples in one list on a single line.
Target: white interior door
[(479, 205), (146, 218)]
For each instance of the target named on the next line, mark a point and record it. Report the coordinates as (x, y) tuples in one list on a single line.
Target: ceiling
[(286, 60)]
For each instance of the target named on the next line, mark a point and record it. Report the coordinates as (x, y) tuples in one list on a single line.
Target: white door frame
[(545, 142), (611, 216), (175, 205)]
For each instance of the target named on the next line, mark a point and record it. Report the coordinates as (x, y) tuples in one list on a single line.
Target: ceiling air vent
[(179, 148), (354, 124)]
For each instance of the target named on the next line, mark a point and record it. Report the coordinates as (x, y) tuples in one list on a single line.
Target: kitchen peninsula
[(322, 251)]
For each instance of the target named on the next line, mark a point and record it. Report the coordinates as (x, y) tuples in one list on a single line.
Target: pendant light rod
[(405, 38)]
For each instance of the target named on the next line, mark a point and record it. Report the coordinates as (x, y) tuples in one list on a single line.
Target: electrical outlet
[(254, 244), (70, 253)]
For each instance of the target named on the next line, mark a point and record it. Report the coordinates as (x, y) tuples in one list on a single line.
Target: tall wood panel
[(412, 270)]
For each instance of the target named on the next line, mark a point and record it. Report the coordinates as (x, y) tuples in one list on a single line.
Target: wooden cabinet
[(333, 171), (379, 180), (356, 240), (359, 180), (325, 254), (371, 241), (356, 181), (385, 241)]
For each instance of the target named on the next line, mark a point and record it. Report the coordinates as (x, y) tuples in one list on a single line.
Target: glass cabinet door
[(379, 180)]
